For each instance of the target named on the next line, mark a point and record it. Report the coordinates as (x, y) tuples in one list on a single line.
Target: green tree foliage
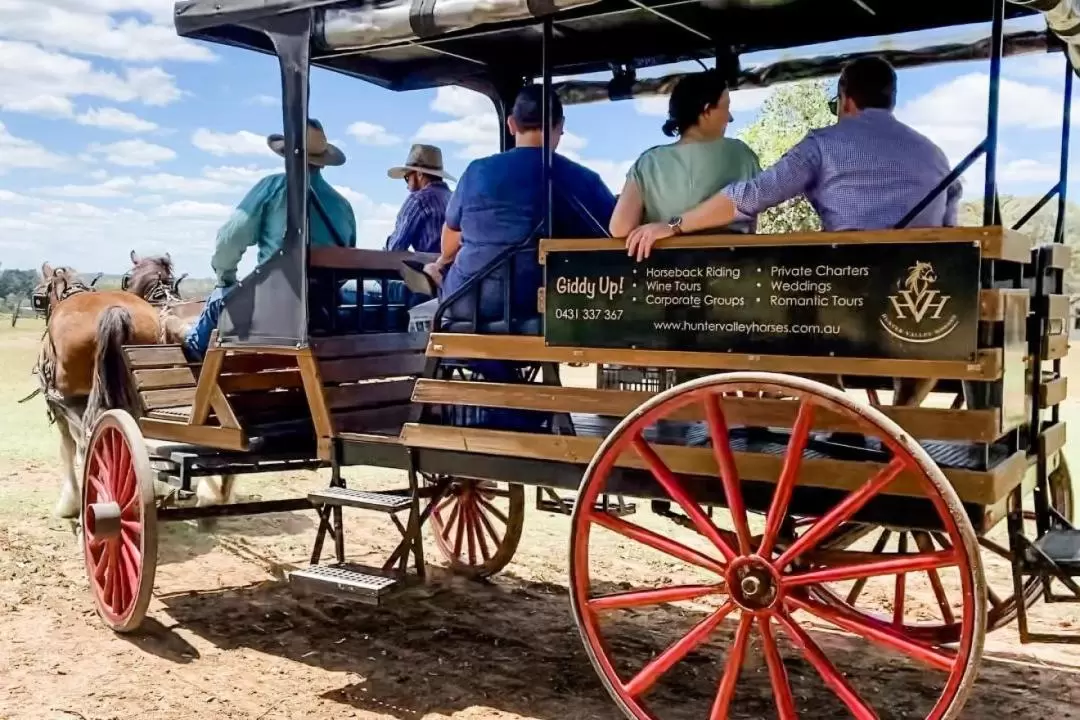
[(1041, 227), (17, 282), (789, 113)]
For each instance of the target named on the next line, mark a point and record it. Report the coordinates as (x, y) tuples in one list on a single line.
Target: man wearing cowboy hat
[(260, 220), (420, 219)]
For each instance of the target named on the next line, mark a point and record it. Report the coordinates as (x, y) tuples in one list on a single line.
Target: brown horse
[(81, 368)]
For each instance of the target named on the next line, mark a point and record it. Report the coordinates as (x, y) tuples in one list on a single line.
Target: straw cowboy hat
[(423, 159), (320, 152)]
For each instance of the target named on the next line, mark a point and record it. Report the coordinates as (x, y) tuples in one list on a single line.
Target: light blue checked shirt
[(863, 173)]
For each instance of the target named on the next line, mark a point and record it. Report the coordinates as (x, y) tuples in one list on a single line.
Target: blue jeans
[(198, 337)]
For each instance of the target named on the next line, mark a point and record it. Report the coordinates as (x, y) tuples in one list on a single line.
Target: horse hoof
[(67, 509)]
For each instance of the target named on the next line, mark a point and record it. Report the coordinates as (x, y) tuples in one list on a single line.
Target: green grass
[(25, 433)]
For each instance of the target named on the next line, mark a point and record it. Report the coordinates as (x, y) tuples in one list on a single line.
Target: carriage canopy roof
[(412, 44)]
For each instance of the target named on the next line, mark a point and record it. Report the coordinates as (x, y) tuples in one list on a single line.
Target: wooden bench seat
[(756, 460)]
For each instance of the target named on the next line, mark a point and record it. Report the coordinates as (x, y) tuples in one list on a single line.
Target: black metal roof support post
[(545, 114), (990, 213), (1063, 168), (270, 306)]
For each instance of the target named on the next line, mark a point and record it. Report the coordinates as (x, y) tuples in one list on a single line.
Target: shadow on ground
[(512, 646)]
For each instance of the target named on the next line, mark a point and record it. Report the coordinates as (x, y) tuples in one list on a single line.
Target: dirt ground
[(227, 639)]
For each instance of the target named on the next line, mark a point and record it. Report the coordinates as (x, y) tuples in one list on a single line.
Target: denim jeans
[(198, 337)]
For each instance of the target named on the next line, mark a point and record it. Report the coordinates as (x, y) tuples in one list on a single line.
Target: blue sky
[(116, 135)]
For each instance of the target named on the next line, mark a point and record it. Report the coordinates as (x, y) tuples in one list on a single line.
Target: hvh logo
[(915, 312)]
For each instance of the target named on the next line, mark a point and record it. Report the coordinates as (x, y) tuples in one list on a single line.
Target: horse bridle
[(39, 297), (160, 292)]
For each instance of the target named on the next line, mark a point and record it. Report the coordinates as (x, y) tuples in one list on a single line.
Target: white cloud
[(367, 133), (20, 153), (238, 143), (114, 119), (460, 102), (44, 105), (1027, 171), (112, 187), (232, 175), (39, 81), (962, 101), (613, 172), (742, 101), (475, 127), (86, 27), (375, 220), (194, 209), (132, 153)]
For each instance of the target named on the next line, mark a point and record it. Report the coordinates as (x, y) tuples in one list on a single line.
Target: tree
[(17, 282), (1040, 228), (789, 113)]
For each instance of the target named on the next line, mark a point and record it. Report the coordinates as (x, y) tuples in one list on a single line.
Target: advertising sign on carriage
[(915, 301)]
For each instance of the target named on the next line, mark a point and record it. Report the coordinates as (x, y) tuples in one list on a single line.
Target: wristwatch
[(675, 224)]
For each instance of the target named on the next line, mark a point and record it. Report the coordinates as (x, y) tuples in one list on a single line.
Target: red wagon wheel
[(938, 623), (119, 521), (760, 584), (477, 525)]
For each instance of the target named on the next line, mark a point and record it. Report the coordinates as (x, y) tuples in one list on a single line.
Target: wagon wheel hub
[(754, 584)]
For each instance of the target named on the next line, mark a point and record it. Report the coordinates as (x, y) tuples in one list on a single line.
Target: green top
[(675, 178)]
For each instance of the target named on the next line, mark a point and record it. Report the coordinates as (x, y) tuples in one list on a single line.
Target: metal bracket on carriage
[(561, 505)]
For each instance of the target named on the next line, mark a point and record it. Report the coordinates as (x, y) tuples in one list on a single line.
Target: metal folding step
[(356, 582), (1062, 547), (547, 500), (388, 502)]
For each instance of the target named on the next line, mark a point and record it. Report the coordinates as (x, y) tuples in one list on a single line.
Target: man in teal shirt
[(260, 220)]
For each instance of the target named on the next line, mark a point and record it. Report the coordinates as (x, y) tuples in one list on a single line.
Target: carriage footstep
[(360, 583)]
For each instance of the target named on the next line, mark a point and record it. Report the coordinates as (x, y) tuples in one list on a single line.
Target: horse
[(81, 368)]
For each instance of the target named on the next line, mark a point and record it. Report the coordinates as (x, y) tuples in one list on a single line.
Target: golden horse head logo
[(920, 278), (916, 311)]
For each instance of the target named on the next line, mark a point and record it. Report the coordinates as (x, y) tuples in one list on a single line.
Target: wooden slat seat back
[(954, 433), (260, 388), (367, 379)]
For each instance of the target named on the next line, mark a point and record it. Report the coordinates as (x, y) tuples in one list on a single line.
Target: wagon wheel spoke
[(490, 529), (657, 542), (668, 658), (857, 588), (455, 516), (926, 545), (674, 488), (828, 672), (726, 692), (126, 484), (467, 521), (841, 513), (900, 587), (785, 702), (656, 596), (460, 536), (729, 474), (995, 548), (494, 510), (789, 473), (880, 634), (858, 570)]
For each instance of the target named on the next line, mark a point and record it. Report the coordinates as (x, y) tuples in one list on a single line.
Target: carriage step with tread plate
[(565, 506), (362, 499), (357, 582), (1062, 546)]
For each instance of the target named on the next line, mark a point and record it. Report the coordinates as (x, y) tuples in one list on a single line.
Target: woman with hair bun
[(667, 180)]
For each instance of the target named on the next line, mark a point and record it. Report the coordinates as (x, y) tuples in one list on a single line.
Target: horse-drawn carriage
[(794, 488)]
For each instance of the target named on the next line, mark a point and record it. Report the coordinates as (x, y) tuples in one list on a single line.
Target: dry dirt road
[(226, 639)]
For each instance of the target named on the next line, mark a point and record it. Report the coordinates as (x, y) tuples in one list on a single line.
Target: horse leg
[(217, 490), (69, 505)]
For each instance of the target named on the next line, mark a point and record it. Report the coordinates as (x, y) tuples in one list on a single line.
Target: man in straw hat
[(260, 220), (420, 219)]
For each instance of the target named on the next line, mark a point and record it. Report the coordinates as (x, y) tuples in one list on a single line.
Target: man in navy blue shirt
[(500, 201)]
